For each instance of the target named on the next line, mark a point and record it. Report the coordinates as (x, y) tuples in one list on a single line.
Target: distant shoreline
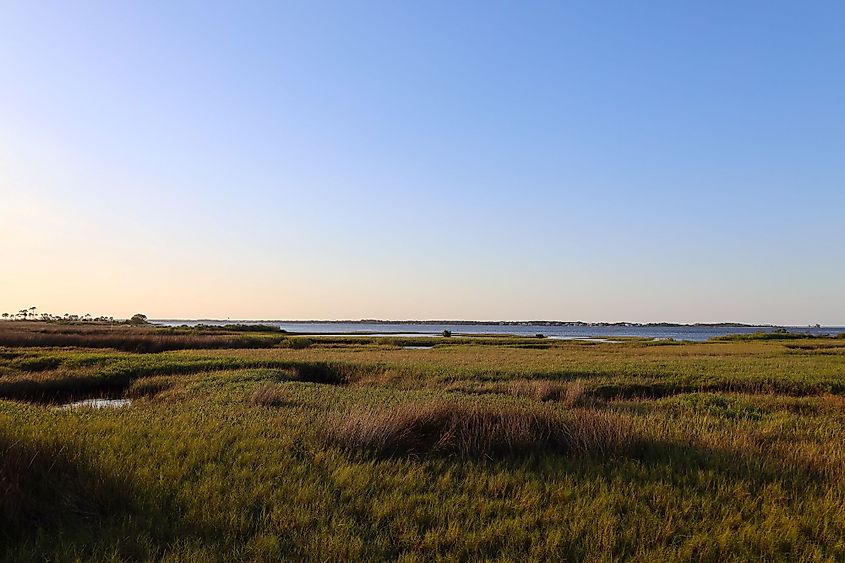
[(488, 323)]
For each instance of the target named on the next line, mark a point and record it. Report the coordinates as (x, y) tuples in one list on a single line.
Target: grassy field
[(262, 446)]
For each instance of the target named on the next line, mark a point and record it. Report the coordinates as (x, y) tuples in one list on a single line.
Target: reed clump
[(150, 386), (469, 430), (269, 395), (570, 393)]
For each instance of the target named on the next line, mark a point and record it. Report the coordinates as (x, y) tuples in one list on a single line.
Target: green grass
[(724, 450)]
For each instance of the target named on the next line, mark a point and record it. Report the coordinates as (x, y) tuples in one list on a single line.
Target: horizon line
[(499, 322)]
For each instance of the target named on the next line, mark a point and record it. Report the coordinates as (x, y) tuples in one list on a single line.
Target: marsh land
[(247, 444)]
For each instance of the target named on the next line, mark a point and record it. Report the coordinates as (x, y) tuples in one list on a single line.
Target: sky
[(596, 161)]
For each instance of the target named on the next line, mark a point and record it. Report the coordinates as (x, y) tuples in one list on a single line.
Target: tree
[(138, 319)]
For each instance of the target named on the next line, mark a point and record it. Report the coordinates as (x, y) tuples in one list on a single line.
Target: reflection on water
[(417, 347), (697, 333), (98, 404), (586, 339)]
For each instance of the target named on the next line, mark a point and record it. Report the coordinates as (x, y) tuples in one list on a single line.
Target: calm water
[(98, 404), (695, 333)]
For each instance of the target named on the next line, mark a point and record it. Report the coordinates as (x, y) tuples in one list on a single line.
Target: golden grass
[(145, 339), (269, 395), (468, 451), (571, 393), (451, 427), (150, 386)]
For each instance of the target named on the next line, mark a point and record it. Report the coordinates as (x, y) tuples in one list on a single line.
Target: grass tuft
[(572, 393), (452, 428), (269, 395), (149, 386)]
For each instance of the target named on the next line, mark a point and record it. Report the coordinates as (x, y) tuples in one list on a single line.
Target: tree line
[(32, 314)]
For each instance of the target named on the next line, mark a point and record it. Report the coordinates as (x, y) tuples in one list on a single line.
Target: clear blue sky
[(603, 161)]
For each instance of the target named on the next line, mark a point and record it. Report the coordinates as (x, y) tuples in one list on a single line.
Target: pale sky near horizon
[(596, 161)]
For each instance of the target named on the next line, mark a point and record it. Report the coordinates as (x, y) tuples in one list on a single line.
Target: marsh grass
[(571, 393), (111, 375), (143, 339), (269, 395), (477, 449), (150, 386), (471, 430), (42, 483)]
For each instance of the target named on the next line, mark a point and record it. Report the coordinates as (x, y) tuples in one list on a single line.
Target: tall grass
[(269, 395), (42, 483), (571, 393), (355, 449), (132, 339), (468, 430)]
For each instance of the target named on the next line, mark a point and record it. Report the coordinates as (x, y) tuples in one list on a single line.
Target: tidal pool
[(98, 404)]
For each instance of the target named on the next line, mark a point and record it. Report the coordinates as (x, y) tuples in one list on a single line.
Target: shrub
[(451, 428), (138, 319)]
